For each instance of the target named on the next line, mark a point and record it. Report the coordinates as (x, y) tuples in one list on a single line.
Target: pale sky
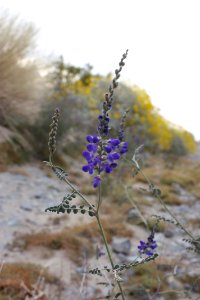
[(163, 38)]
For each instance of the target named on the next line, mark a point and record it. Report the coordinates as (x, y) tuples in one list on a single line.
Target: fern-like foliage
[(66, 207), (120, 268), (195, 245)]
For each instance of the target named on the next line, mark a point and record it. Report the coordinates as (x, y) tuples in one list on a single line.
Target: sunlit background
[(162, 36)]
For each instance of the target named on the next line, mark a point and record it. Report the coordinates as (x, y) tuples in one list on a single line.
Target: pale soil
[(26, 191)]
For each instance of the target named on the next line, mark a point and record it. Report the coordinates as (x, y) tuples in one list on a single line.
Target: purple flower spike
[(102, 150), (96, 181)]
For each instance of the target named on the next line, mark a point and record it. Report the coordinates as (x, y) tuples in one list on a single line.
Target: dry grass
[(186, 172), (148, 277), (18, 281), (112, 227), (73, 244), (194, 223), (172, 199), (193, 280), (76, 241), (184, 179)]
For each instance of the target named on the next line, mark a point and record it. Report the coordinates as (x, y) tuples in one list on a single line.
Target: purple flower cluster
[(103, 152), (102, 156), (149, 246)]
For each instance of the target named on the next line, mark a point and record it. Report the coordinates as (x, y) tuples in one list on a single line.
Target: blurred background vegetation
[(30, 91)]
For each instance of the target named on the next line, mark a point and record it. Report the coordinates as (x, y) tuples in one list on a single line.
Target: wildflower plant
[(102, 155), (103, 151)]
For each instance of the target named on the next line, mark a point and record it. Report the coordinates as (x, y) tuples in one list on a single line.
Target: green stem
[(99, 199), (108, 252)]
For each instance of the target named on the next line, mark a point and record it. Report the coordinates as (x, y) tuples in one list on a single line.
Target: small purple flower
[(87, 155), (92, 148), (108, 169), (95, 139), (113, 165), (113, 156), (149, 246), (96, 181), (115, 142), (92, 139), (89, 138), (85, 168), (123, 147), (108, 148)]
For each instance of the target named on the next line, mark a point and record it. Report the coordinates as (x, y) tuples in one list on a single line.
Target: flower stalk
[(108, 252)]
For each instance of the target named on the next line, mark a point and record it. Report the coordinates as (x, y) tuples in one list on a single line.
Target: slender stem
[(136, 207), (108, 252), (105, 240), (174, 217), (167, 209), (99, 199)]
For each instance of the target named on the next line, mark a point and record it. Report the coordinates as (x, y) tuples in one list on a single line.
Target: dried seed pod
[(53, 132)]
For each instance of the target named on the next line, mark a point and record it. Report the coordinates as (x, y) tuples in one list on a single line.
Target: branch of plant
[(74, 189), (166, 208), (130, 199), (79, 193), (108, 251)]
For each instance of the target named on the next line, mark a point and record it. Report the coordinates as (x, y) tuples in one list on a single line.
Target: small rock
[(133, 216), (31, 221), (123, 247), (37, 196), (168, 233), (13, 222), (26, 207)]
